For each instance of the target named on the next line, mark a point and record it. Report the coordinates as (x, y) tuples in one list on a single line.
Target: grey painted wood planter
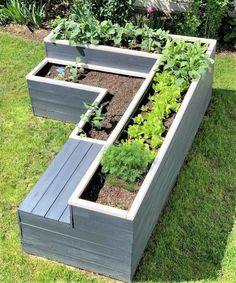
[(57, 99), (96, 237), (112, 57)]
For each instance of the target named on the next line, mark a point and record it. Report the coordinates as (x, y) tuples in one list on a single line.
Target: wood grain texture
[(49, 197), (167, 172), (59, 102), (100, 57)]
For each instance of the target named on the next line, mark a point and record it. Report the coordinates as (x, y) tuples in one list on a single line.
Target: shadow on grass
[(190, 238)]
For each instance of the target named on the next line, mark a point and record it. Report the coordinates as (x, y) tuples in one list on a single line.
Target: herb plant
[(127, 160), (74, 71)]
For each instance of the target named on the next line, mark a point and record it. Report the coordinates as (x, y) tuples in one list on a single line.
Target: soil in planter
[(122, 90), (112, 192), (102, 192)]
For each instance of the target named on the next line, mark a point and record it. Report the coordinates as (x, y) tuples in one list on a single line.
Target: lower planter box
[(96, 237)]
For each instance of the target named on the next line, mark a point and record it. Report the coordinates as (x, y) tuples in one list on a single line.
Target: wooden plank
[(29, 248), (55, 115), (58, 184), (58, 107), (104, 239), (57, 210), (69, 246), (112, 59), (60, 94), (47, 178), (89, 219)]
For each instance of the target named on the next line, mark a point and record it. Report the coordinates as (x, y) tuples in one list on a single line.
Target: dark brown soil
[(100, 191), (106, 194), (122, 90), (116, 197), (25, 32)]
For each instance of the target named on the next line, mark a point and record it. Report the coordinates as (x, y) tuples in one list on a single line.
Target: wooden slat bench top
[(49, 197)]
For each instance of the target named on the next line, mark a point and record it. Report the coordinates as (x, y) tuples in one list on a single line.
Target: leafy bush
[(80, 30), (229, 30), (21, 12), (187, 61), (204, 17), (118, 12), (127, 160)]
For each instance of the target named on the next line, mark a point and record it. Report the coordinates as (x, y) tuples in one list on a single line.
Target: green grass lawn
[(194, 239)]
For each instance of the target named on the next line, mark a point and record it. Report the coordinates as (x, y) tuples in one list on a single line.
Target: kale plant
[(187, 61), (95, 115)]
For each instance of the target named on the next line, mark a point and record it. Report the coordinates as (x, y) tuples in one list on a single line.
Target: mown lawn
[(194, 239)]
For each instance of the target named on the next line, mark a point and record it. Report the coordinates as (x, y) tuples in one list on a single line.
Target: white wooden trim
[(86, 139), (113, 211)]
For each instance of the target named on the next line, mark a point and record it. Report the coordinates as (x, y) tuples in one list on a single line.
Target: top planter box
[(113, 57)]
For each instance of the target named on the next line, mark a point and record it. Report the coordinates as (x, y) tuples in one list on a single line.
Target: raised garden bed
[(103, 238)]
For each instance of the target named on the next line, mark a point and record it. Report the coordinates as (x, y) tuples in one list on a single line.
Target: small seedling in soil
[(120, 206), (75, 71), (81, 133), (60, 73), (95, 116)]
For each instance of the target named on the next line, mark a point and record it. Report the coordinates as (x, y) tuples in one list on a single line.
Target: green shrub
[(204, 18), (127, 160), (118, 12)]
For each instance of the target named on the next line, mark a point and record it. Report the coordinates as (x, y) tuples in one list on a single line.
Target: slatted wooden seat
[(49, 197)]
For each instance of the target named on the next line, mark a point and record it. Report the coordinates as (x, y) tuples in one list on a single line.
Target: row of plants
[(88, 30), (125, 163), (203, 18)]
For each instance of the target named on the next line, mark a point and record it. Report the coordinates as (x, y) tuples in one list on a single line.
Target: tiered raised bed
[(57, 222)]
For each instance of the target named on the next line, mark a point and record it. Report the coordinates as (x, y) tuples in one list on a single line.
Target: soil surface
[(121, 91), (25, 32), (102, 193)]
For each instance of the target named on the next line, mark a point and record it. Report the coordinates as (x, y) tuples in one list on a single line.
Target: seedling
[(74, 71), (95, 116)]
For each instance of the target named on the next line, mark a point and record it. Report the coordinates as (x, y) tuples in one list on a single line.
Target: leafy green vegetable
[(187, 61), (92, 31), (127, 160), (148, 126)]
